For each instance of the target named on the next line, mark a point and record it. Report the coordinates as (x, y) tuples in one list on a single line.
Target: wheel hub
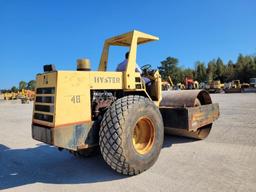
[(143, 135)]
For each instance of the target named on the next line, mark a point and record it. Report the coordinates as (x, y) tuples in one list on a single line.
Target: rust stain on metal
[(185, 98), (203, 115), (70, 137)]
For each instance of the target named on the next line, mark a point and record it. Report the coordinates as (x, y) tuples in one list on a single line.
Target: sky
[(34, 33)]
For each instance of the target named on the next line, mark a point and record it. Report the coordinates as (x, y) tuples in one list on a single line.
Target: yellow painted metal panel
[(72, 97), (46, 80), (125, 39), (106, 80), (130, 39)]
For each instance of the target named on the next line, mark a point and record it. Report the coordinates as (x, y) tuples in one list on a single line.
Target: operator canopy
[(126, 39), (130, 39)]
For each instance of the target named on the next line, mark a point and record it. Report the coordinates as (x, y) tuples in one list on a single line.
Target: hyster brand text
[(106, 79)]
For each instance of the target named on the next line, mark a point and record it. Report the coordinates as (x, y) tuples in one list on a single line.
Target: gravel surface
[(225, 161)]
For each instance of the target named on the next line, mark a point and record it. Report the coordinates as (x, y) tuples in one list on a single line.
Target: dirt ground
[(225, 161)]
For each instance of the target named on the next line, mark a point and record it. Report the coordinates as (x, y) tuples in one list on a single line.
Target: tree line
[(243, 69), (22, 85)]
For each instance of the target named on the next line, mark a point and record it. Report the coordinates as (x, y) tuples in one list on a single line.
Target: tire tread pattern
[(110, 134)]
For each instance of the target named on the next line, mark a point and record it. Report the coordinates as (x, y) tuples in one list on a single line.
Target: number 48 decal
[(75, 99)]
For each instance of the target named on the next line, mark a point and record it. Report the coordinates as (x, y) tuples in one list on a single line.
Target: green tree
[(200, 72), (229, 72), (22, 85), (211, 69), (31, 85), (219, 70), (245, 68), (170, 67), (189, 73), (249, 69), (14, 89)]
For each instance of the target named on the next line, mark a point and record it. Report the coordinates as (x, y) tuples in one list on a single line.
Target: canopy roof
[(126, 39)]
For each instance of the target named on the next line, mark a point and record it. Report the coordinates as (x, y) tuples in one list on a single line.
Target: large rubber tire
[(116, 137)]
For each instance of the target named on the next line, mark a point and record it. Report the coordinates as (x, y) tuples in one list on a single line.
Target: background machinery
[(215, 86), (167, 85), (180, 86), (253, 82), (117, 111), (26, 96), (235, 87), (191, 84), (252, 86), (10, 95)]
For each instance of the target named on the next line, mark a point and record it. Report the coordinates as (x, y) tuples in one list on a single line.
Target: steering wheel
[(148, 72), (146, 67)]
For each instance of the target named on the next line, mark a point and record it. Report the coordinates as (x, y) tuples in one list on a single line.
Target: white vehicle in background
[(253, 82), (202, 85), (252, 87), (227, 85)]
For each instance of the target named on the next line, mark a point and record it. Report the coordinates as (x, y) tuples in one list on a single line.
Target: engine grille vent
[(44, 104)]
